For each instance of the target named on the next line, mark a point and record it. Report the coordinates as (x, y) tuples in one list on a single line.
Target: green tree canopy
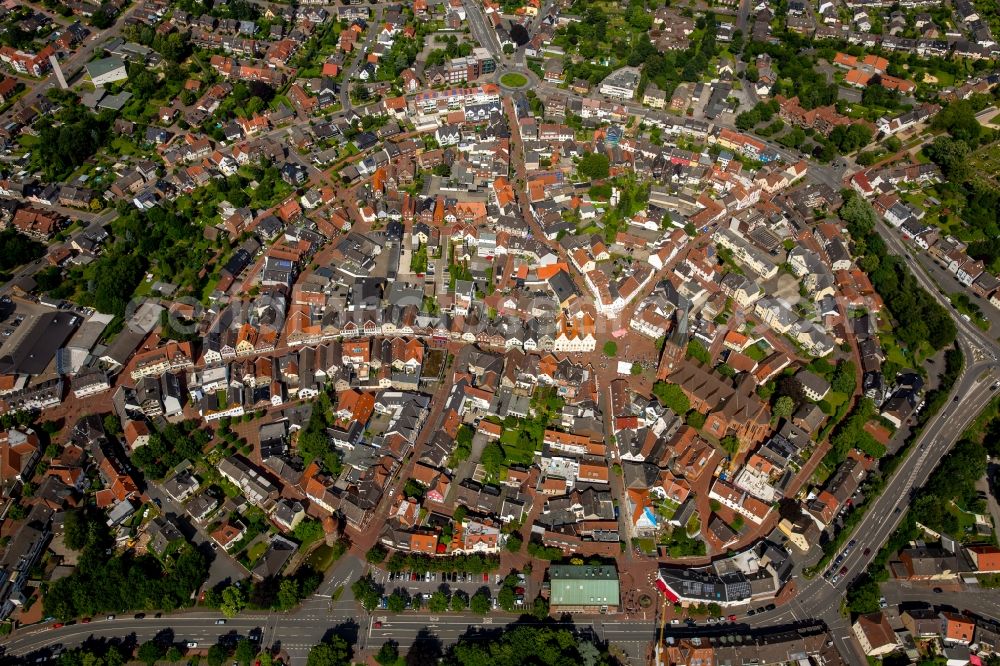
[(333, 652), (672, 397), (594, 166)]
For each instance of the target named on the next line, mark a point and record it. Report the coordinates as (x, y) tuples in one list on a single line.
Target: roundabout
[(514, 80)]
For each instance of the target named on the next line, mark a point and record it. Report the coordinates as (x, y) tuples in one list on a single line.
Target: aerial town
[(479, 332)]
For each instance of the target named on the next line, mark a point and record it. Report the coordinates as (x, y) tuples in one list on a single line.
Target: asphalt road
[(28, 270), (483, 31), (72, 66), (972, 598), (819, 598), (295, 632)]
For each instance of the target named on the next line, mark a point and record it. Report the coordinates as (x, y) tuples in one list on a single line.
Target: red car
[(378, 625), (732, 618), (84, 620), (57, 625)]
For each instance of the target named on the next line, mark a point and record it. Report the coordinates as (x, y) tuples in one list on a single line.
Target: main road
[(973, 390), (295, 632)]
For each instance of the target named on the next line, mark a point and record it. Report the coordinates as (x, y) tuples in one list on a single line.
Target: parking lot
[(425, 583)]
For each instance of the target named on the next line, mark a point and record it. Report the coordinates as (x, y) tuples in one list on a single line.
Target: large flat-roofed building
[(621, 84), (37, 349), (584, 589), (107, 70)]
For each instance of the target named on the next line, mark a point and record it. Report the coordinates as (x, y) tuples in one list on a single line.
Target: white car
[(192, 645)]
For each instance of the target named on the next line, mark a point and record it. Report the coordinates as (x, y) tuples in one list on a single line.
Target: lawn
[(321, 558), (835, 399), (256, 550), (514, 450), (756, 352), (667, 508), (514, 80)]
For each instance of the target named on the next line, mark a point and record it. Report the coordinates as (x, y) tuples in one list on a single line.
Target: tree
[(611, 349), (244, 652), (388, 654), (844, 379), (636, 370), (514, 543), (480, 603), (18, 249), (950, 155), (173, 654), (493, 458), (594, 166), (438, 602), (696, 420), (102, 19), (697, 351), (859, 216), (459, 601), (234, 600), (783, 408), (76, 529), (366, 592), (333, 652), (519, 34), (863, 595), (377, 554), (396, 602), (540, 608), (672, 397), (730, 444), (150, 652), (216, 655), (527, 645), (506, 598), (288, 594), (308, 531)]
